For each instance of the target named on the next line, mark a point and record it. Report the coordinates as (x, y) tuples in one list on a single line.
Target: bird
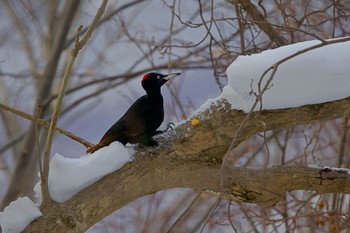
[(141, 121)]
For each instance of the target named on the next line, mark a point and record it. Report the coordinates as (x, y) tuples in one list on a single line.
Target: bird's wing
[(131, 124), (115, 133), (143, 117)]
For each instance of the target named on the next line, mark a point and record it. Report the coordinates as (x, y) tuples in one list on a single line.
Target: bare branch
[(45, 124), (261, 22), (79, 44)]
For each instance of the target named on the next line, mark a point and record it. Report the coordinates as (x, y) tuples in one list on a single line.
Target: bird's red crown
[(145, 77)]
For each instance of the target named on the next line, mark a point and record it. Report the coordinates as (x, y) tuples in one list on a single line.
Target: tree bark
[(190, 157)]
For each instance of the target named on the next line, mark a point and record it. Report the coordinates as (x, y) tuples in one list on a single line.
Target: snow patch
[(317, 76), (336, 169), (18, 215), (204, 107), (68, 176)]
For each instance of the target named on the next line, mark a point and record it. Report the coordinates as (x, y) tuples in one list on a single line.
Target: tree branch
[(262, 22), (44, 124), (79, 44), (191, 157)]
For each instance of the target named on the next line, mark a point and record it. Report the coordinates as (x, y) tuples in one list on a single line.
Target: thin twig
[(229, 217), (182, 216), (44, 124), (79, 44), (37, 139), (11, 143), (240, 25), (210, 214)]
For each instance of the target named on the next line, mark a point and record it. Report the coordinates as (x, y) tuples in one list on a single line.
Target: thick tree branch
[(191, 157), (262, 187)]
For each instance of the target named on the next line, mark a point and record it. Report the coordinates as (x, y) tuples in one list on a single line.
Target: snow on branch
[(191, 155)]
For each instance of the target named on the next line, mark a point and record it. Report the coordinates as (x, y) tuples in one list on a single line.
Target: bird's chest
[(149, 112), (146, 114), (154, 115)]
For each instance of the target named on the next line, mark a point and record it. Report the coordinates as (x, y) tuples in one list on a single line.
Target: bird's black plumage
[(141, 121)]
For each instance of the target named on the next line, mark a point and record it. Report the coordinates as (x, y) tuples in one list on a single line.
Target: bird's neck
[(155, 96)]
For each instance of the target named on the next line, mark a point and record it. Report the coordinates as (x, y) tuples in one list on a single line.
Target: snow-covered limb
[(18, 215), (193, 157), (67, 177), (335, 169), (189, 157), (70, 175), (307, 78)]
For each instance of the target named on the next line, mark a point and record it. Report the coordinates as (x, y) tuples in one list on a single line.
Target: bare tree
[(196, 35)]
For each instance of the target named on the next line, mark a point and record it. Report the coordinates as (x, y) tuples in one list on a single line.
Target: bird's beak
[(170, 76)]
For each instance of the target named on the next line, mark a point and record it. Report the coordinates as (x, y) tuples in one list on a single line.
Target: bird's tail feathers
[(94, 148), (105, 141)]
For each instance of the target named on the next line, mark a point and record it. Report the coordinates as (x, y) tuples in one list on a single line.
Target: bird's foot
[(148, 143), (170, 126), (152, 143)]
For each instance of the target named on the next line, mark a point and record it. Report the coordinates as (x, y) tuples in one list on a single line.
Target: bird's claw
[(169, 126)]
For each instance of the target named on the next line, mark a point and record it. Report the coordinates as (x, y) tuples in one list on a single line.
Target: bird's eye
[(158, 77)]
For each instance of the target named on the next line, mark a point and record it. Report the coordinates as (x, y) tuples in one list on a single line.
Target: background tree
[(201, 38)]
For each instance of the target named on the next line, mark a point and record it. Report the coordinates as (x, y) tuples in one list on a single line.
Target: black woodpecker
[(141, 121)]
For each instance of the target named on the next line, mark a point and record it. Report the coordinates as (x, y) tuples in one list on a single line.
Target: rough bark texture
[(191, 157)]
